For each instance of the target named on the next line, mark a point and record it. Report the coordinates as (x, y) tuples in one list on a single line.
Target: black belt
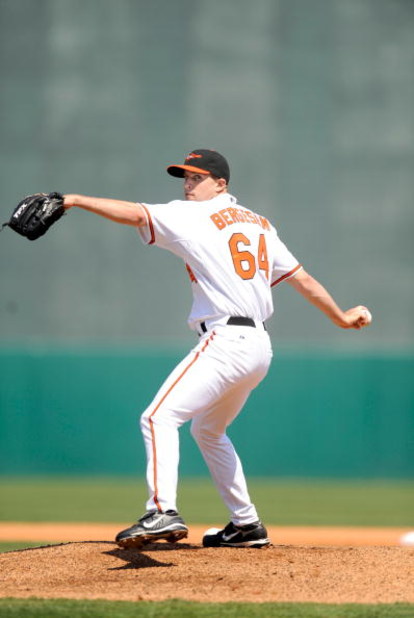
[(235, 320)]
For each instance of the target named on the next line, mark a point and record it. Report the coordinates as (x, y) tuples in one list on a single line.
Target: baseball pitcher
[(234, 257)]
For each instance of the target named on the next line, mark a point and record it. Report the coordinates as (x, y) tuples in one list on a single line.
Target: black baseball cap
[(204, 162)]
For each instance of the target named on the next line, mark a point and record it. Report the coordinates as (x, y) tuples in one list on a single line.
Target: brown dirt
[(96, 569)]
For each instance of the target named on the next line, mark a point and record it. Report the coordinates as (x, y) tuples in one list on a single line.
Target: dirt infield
[(99, 570), (322, 571), (297, 535)]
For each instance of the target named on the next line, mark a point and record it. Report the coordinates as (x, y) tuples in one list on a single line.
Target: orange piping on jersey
[(286, 276), (150, 225), (192, 276), (151, 422)]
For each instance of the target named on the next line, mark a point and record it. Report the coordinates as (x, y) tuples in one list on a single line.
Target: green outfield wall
[(310, 100), (318, 413)]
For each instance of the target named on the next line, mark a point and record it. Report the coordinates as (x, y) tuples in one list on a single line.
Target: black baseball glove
[(34, 215)]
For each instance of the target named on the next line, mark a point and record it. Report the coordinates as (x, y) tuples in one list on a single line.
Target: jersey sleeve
[(285, 265), (166, 224)]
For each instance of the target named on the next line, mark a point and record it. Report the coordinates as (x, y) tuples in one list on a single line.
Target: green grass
[(61, 608), (280, 502), (17, 545)]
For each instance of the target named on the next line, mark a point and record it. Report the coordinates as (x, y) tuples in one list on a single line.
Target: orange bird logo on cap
[(193, 155)]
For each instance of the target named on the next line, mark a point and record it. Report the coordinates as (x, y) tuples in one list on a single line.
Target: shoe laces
[(154, 512), (231, 527), (148, 515)]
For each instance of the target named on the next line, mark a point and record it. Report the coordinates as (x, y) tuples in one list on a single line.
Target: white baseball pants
[(209, 387)]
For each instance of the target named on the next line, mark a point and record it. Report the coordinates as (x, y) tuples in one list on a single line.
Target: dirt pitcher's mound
[(100, 570)]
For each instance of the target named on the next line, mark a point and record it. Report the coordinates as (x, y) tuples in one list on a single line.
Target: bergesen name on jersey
[(228, 216)]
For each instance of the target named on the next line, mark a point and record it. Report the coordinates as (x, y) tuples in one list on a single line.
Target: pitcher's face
[(202, 187)]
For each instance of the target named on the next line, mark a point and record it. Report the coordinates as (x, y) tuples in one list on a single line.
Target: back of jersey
[(233, 255)]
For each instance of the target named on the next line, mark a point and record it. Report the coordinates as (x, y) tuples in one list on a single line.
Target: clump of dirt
[(283, 573)]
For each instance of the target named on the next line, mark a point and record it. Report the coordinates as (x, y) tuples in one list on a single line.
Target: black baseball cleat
[(250, 535), (153, 526)]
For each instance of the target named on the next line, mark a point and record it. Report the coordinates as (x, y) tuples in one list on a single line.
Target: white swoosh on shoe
[(227, 538), (147, 526)]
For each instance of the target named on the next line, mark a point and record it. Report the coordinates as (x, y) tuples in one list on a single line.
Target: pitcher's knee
[(205, 435), (144, 420)]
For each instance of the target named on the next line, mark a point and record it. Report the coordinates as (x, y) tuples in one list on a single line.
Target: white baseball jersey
[(233, 255)]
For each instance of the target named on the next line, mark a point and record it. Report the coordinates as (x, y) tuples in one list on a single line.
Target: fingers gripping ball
[(367, 317), (36, 213)]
